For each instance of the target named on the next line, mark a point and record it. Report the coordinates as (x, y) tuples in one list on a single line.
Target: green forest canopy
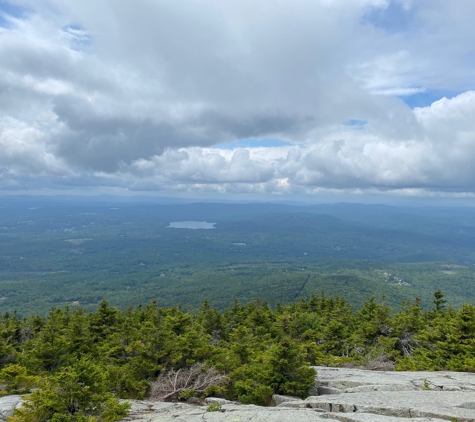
[(260, 350)]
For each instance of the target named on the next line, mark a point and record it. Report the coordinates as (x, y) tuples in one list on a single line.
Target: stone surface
[(370, 417), (209, 400), (7, 404), (278, 399), (143, 411), (346, 380), (181, 412), (402, 404), (351, 395), (348, 395)]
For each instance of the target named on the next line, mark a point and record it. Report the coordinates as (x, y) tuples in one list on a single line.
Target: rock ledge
[(341, 394)]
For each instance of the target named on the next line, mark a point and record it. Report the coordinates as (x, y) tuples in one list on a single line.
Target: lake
[(191, 225)]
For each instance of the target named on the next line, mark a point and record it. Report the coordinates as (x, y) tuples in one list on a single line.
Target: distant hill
[(57, 251)]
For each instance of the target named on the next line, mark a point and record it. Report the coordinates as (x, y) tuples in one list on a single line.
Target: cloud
[(348, 159), (99, 93)]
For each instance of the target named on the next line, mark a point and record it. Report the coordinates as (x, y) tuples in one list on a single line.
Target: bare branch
[(198, 378)]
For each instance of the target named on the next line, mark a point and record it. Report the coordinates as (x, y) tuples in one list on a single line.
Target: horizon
[(300, 201)]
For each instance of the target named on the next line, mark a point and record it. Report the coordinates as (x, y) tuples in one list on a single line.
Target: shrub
[(75, 394), (17, 380), (214, 407), (252, 392), (184, 395)]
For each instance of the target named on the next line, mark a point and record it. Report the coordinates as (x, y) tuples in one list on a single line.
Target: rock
[(345, 395), (278, 399), (182, 412), (403, 404), (322, 390), (351, 380), (218, 400), (313, 391), (369, 417), (379, 387), (7, 405), (347, 392)]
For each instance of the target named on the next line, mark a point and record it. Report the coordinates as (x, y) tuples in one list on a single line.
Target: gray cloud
[(99, 93)]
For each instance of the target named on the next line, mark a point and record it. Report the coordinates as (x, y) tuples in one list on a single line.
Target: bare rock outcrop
[(350, 380), (184, 412), (353, 394), (7, 405), (342, 394)]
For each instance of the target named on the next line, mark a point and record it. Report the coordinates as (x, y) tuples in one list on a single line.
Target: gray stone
[(218, 400), (294, 404), (313, 391), (349, 395), (405, 404), (7, 405), (322, 390), (182, 412), (370, 417), (277, 399), (352, 380), (379, 387)]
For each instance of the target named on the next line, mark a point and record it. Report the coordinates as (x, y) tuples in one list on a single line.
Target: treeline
[(82, 362)]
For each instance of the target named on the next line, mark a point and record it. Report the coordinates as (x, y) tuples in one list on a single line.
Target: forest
[(76, 365), (79, 251), (103, 300)]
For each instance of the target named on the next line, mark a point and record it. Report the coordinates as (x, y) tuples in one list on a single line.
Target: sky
[(238, 98)]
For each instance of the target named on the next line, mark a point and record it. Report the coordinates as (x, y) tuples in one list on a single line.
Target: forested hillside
[(81, 362), (77, 252), (241, 310)]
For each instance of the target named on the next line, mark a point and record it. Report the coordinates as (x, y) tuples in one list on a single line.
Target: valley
[(79, 251)]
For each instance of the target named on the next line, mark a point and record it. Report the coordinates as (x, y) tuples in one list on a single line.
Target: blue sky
[(396, 17), (424, 99), (308, 99), (10, 10)]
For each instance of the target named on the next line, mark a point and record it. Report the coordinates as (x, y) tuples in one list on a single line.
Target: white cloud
[(102, 93)]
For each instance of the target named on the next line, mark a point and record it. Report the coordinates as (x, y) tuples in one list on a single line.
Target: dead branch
[(198, 378), (379, 362)]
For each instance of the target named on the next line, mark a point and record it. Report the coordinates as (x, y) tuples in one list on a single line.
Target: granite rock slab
[(402, 404), (182, 412), (7, 405), (352, 380), (344, 395)]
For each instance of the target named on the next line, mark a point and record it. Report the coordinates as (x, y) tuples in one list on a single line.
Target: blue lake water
[(191, 225)]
